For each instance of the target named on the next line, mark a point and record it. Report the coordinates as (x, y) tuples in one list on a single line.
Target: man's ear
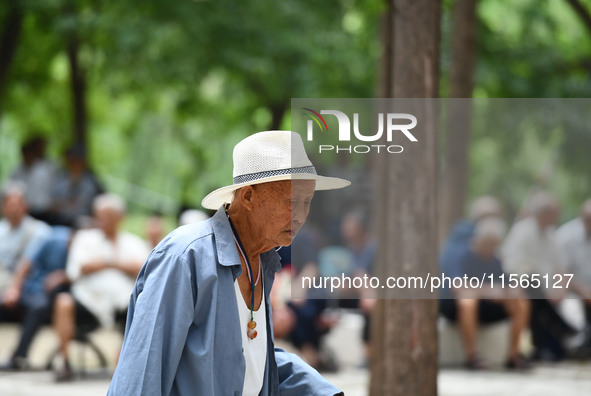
[(246, 196)]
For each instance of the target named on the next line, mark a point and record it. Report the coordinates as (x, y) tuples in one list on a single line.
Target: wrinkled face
[(14, 207), (280, 209), (107, 219)]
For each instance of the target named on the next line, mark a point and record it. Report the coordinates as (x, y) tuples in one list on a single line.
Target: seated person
[(37, 281), (469, 309), (574, 239), (531, 248), (37, 174), (74, 190), (102, 265), (20, 235), (355, 229), (298, 312), (462, 232), (155, 229)]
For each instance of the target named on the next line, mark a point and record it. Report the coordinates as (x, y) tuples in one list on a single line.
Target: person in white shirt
[(531, 248), (102, 266), (574, 239)]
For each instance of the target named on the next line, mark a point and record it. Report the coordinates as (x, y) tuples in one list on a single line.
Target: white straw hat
[(266, 157)]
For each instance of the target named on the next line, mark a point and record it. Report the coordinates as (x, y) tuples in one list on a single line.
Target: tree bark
[(77, 81), (277, 112), (456, 163), (404, 332), (9, 40), (78, 90)]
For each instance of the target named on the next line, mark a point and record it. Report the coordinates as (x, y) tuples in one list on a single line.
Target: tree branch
[(582, 12)]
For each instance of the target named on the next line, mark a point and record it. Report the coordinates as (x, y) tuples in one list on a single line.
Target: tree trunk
[(277, 112), (456, 164), (404, 332), (78, 88), (77, 80), (9, 40)]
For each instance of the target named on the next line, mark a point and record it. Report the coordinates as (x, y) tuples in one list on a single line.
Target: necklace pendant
[(251, 332)]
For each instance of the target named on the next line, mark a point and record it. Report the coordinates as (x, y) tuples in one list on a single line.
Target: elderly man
[(35, 285), (37, 175), (20, 239), (479, 259), (199, 321), (74, 190), (574, 239), (531, 248), (461, 233), (102, 265), (20, 236)]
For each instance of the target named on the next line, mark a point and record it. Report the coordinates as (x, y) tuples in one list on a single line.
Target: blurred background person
[(20, 235), (37, 280), (74, 189), (102, 265), (574, 239), (531, 248), (303, 322), (461, 233), (37, 175), (191, 216), (469, 308), (155, 229), (355, 231)]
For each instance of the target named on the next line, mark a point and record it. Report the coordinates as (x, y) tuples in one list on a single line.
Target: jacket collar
[(226, 247)]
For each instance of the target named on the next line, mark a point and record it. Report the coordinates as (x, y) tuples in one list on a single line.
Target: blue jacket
[(183, 331)]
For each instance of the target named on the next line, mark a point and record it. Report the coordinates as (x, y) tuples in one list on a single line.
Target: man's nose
[(299, 213)]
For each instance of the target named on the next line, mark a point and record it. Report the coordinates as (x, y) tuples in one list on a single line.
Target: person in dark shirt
[(74, 190), (36, 283), (484, 305)]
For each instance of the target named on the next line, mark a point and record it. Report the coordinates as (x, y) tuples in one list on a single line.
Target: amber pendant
[(251, 332)]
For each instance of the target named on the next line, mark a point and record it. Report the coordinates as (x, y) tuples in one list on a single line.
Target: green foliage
[(171, 86), (526, 51)]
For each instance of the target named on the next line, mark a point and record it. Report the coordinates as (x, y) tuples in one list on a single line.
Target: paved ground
[(564, 379)]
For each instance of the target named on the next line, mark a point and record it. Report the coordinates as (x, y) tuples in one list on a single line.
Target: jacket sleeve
[(297, 378), (158, 320)]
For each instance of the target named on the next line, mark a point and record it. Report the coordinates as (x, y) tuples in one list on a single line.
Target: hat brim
[(224, 195)]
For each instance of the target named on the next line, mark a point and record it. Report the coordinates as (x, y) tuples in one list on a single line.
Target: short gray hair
[(13, 187), (111, 201), (483, 206), (542, 201), (490, 227)]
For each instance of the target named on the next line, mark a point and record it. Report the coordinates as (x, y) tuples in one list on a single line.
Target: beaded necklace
[(250, 332)]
